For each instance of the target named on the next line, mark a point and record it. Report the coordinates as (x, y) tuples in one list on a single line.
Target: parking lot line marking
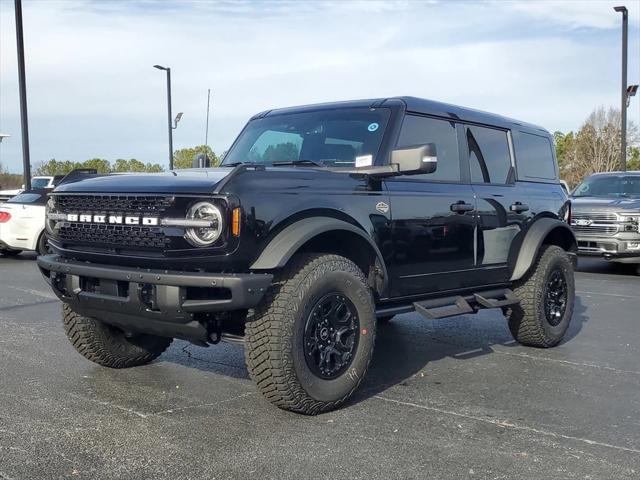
[(606, 294), (568, 362), (212, 404), (109, 404), (507, 424), (31, 291)]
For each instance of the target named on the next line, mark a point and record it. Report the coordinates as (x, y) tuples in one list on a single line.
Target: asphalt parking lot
[(451, 399)]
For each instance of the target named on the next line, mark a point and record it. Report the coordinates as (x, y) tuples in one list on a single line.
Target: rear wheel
[(109, 346), (309, 343), (547, 298)]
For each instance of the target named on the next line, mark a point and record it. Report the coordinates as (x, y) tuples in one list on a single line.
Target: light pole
[(24, 124), (623, 91), (168, 70)]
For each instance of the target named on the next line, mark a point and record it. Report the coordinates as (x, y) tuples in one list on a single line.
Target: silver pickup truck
[(605, 216)]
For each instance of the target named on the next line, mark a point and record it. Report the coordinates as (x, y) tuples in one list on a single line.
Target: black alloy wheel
[(331, 336), (555, 296)]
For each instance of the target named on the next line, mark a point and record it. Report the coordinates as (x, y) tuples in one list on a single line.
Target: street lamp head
[(621, 9), (160, 67)]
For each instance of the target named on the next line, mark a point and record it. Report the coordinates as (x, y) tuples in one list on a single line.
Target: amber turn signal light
[(235, 222)]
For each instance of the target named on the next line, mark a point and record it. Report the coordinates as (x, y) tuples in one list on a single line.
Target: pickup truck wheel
[(310, 341), (547, 297), (109, 346)]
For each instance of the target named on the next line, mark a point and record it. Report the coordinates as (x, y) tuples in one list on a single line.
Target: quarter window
[(535, 157), (489, 157), (420, 130)]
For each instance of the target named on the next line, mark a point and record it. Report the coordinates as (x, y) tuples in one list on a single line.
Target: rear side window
[(534, 156), (489, 157), (420, 130), (25, 198)]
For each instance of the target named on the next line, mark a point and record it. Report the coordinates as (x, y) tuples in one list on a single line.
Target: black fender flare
[(534, 239), (287, 242)]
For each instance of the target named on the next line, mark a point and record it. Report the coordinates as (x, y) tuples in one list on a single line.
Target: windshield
[(39, 183), (609, 186), (328, 138)]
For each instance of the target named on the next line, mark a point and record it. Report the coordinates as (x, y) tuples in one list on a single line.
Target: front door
[(433, 215)]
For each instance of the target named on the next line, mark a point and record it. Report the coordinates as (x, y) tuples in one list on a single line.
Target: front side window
[(420, 130), (612, 186), (489, 157), (326, 137)]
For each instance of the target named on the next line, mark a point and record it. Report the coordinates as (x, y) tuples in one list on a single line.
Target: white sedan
[(22, 223)]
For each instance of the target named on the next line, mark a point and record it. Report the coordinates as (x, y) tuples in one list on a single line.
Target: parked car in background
[(606, 216), (22, 223), (37, 183)]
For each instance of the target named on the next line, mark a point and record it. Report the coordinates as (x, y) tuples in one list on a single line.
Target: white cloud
[(93, 91)]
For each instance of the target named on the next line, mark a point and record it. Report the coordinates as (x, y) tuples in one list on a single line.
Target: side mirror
[(416, 159)]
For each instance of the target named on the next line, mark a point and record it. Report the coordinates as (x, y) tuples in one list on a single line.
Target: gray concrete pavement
[(450, 399)]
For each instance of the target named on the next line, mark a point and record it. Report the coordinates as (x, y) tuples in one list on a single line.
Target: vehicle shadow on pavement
[(404, 347)]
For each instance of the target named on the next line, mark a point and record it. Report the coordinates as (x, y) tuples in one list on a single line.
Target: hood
[(608, 204), (194, 181)]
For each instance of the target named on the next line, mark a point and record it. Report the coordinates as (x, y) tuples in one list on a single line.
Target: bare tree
[(595, 148)]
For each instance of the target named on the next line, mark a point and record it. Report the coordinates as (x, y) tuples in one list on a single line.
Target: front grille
[(595, 229), (596, 217), (105, 235), (120, 235), (113, 203)]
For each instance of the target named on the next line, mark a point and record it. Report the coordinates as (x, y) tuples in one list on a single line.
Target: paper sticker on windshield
[(373, 127), (364, 161)]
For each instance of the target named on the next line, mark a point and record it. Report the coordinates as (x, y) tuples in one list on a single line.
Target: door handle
[(519, 207), (461, 206)]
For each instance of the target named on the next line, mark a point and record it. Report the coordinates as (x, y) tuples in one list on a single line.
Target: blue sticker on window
[(373, 127)]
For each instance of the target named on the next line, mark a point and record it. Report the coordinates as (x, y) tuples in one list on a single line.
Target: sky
[(92, 90)]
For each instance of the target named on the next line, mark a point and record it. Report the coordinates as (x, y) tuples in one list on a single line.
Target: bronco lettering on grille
[(113, 219)]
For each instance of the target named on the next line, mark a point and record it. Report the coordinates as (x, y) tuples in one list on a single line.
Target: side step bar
[(459, 305)]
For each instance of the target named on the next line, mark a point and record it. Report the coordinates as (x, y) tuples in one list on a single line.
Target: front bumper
[(160, 302), (610, 248)]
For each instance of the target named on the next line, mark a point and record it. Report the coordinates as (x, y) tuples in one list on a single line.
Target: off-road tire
[(527, 321), (274, 339), (42, 247), (108, 346)]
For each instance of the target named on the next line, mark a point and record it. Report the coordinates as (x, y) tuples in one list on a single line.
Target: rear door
[(433, 215), (503, 205)]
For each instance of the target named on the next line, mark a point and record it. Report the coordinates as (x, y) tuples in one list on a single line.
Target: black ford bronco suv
[(321, 220)]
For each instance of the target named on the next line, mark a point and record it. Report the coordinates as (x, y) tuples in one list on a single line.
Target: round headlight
[(211, 218), (48, 223)]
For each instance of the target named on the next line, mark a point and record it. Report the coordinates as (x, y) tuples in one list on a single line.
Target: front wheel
[(547, 297), (109, 346), (310, 342)]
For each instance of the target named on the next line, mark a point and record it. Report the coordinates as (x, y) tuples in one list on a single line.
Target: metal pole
[(206, 134), (26, 158), (169, 119), (623, 93)]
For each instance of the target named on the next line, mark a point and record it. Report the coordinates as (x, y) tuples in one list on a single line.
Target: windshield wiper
[(234, 164), (298, 162)]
